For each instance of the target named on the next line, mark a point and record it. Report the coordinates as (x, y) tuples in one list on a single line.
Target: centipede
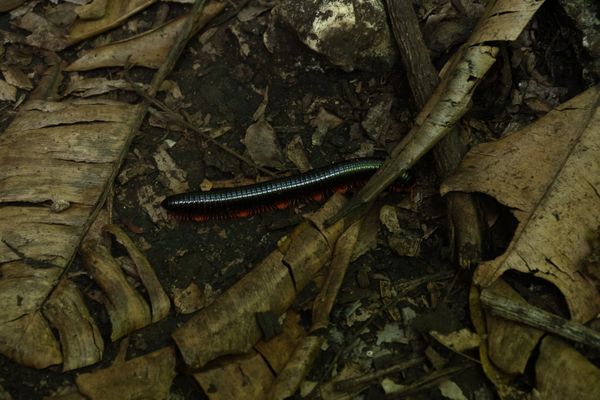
[(276, 194)]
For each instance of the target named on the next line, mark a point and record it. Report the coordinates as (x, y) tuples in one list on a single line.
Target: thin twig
[(539, 319)]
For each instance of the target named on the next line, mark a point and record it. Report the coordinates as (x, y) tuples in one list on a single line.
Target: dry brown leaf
[(460, 340), (158, 298), (259, 113), (323, 122), (378, 119), (8, 5), (146, 377), (228, 325), (59, 155), (171, 176), (114, 14), (25, 335), (342, 254), (7, 91), (510, 344), (563, 373), (252, 385), (93, 10), (126, 308), (368, 235), (500, 379), (549, 174), (192, 298), (296, 369), (16, 77), (80, 338), (44, 33), (245, 377), (87, 87), (148, 49), (278, 350), (262, 144), (296, 153)]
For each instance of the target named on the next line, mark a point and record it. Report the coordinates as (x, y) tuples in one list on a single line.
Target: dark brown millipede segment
[(279, 193)]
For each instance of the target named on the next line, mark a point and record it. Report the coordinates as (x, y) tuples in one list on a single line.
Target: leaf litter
[(47, 218)]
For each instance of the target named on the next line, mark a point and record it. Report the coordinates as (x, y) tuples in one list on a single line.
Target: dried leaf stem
[(539, 319)]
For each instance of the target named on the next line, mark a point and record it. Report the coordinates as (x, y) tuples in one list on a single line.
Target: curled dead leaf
[(126, 308), (228, 325), (549, 174), (158, 298), (80, 338), (58, 153)]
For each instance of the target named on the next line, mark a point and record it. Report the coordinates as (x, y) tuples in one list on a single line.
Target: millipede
[(278, 193)]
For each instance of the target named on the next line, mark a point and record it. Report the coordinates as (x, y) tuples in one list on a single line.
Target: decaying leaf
[(549, 174), (302, 359), (228, 325), (171, 176), (94, 21), (500, 379), (322, 123), (244, 377), (86, 87), (192, 298), (159, 300), (510, 344), (145, 377), (342, 254), (262, 144), (296, 153), (80, 338), (44, 33), (16, 77), (563, 373), (7, 91), (52, 153), (148, 49), (25, 335), (378, 118), (126, 308), (460, 340), (10, 4), (278, 350), (250, 376)]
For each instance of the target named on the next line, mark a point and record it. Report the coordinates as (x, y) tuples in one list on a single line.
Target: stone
[(352, 34)]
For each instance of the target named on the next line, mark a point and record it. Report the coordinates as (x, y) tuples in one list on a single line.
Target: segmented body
[(278, 193)]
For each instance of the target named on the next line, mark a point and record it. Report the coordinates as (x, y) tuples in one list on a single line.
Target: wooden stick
[(539, 319)]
